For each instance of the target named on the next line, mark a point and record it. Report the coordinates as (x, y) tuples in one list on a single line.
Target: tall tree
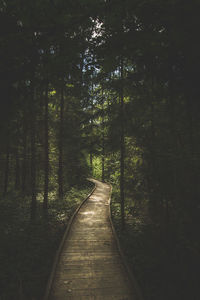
[(33, 150), (46, 148), (7, 167), (103, 137), (61, 136), (122, 141)]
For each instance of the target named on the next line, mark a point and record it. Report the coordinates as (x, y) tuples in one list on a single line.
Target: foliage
[(109, 89), (163, 268), (28, 249)]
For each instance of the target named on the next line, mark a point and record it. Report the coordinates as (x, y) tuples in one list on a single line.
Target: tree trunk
[(174, 190), (92, 124), (91, 161), (103, 142), (7, 165), (60, 164), (17, 170), (33, 156), (46, 151), (24, 163), (122, 145)]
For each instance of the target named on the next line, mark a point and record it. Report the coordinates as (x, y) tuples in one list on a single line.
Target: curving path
[(90, 266)]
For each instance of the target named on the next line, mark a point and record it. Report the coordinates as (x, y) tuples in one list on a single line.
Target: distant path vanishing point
[(90, 266)]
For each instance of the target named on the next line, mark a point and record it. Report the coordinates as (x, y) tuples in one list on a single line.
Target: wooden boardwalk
[(90, 266)]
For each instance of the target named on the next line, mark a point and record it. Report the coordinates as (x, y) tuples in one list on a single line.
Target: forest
[(107, 89)]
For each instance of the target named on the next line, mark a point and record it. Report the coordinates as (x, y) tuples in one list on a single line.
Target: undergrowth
[(28, 249), (166, 267)]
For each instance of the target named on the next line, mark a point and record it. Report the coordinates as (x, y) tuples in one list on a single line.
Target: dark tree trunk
[(103, 142), (60, 163), (122, 145), (92, 124), (7, 165), (173, 134), (33, 156), (103, 158), (91, 161), (24, 163), (46, 151), (17, 170)]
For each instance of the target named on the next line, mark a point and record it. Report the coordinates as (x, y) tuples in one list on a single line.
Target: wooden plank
[(90, 266)]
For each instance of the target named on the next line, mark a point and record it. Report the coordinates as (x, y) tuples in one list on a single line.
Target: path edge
[(58, 252), (131, 276)]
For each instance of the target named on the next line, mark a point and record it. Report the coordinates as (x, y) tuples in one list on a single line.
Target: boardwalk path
[(90, 266)]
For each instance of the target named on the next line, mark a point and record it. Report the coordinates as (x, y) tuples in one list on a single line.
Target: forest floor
[(167, 268), (27, 250)]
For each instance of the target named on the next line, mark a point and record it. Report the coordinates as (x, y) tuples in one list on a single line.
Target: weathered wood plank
[(90, 266)]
